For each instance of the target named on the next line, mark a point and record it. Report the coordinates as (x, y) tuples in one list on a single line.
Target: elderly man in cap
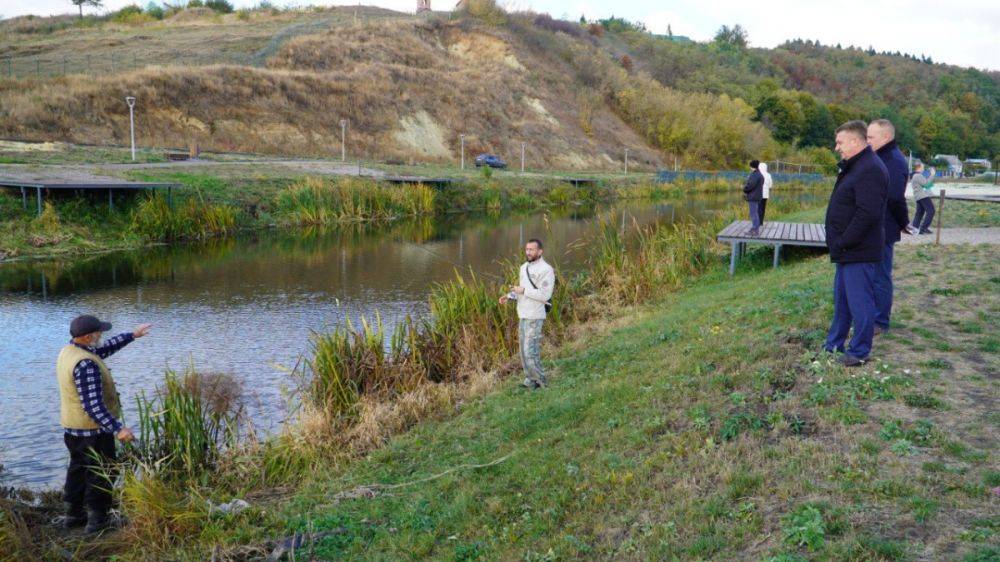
[(90, 413)]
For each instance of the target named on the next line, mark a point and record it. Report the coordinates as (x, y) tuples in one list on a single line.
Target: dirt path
[(989, 235), (100, 172)]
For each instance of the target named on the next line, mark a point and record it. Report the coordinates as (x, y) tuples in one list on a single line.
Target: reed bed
[(154, 219), (323, 201), (185, 427)]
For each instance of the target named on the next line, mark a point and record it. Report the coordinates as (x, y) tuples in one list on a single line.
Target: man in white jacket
[(533, 293)]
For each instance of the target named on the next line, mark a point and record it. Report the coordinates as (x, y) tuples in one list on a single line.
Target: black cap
[(87, 324)]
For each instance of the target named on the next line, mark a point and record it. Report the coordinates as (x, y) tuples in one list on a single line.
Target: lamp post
[(343, 140), (462, 139), (130, 100)]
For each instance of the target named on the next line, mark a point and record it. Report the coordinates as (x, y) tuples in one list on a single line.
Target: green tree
[(735, 36), (81, 3)]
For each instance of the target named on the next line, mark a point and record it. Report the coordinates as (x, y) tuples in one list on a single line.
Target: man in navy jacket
[(753, 190), (882, 139), (855, 235)]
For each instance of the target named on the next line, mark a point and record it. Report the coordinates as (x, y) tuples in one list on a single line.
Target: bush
[(486, 11), (545, 21), (221, 6), (596, 29), (130, 14), (195, 4), (155, 11)]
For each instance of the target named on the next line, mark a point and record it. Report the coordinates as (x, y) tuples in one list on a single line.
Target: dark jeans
[(754, 214), (90, 467), (853, 305), (883, 287), (761, 208), (925, 210)]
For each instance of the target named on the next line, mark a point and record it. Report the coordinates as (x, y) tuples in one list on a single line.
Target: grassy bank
[(705, 427), (213, 205), (700, 426)]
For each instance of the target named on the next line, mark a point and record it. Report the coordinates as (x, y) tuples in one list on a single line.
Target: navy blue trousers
[(883, 287), (853, 304)]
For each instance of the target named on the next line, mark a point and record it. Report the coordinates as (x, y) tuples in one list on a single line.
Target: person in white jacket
[(762, 168), (533, 293)]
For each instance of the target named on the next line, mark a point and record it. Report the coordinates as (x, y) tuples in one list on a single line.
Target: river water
[(246, 305)]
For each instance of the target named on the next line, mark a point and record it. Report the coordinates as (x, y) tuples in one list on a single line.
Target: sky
[(961, 32)]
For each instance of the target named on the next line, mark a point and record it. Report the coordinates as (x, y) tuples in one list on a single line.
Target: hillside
[(279, 82)]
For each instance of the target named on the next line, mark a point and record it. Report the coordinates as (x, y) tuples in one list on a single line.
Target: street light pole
[(130, 100), (343, 140), (522, 157), (462, 139)]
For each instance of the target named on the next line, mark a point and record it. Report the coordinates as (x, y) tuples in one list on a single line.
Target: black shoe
[(879, 330), (850, 361), (98, 522), (74, 519), (926, 231)]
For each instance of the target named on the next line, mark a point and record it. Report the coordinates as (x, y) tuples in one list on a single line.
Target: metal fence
[(667, 176)]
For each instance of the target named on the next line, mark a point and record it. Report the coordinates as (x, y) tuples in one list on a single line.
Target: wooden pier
[(776, 234), (38, 187)]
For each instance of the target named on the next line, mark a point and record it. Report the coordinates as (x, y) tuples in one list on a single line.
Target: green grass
[(659, 438)]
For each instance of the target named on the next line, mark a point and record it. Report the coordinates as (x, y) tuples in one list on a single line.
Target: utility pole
[(522, 157), (343, 140), (461, 138), (130, 100)]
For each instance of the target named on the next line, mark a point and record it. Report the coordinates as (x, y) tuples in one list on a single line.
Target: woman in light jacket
[(767, 189)]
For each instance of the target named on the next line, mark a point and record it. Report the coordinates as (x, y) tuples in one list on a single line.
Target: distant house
[(979, 163), (954, 164)]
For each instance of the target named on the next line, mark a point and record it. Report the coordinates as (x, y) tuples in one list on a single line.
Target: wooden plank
[(798, 232)]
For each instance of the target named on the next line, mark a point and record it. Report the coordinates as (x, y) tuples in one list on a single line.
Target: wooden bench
[(776, 234)]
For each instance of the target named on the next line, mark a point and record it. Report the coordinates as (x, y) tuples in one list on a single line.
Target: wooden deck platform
[(776, 234), (110, 187)]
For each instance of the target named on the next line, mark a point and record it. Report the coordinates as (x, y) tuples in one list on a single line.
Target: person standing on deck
[(90, 413), (533, 295), (882, 139), (855, 236), (753, 190), (766, 191)]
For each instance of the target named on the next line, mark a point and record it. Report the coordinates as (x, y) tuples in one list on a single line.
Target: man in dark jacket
[(855, 235), (882, 139), (753, 190)]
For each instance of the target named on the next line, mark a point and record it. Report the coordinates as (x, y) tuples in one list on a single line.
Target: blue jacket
[(753, 189), (897, 216), (855, 216)]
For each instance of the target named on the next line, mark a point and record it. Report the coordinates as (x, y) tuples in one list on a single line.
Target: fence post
[(38, 68), (937, 234), (64, 65), (112, 63), (10, 67)]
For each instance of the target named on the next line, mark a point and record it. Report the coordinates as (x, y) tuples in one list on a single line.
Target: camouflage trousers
[(529, 335)]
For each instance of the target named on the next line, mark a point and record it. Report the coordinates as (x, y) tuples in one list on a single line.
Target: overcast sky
[(962, 32)]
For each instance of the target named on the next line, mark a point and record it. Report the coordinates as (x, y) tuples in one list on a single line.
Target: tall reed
[(323, 201), (154, 218), (187, 423)]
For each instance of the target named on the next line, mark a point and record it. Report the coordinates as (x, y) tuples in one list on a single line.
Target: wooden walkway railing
[(777, 234)]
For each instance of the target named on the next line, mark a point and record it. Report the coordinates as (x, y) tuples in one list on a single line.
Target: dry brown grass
[(467, 78)]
